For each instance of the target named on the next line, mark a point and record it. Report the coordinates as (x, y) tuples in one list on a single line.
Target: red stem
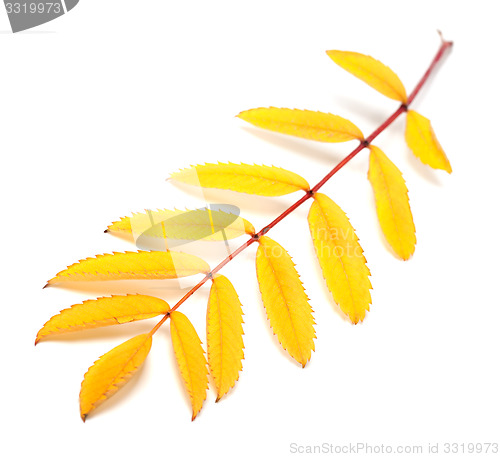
[(363, 144)]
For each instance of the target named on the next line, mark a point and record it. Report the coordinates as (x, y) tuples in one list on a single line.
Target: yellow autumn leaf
[(133, 265), (285, 300), (199, 224), (263, 180), (372, 72), (341, 257), (422, 140), (104, 311), (224, 335), (311, 125), (111, 371), (393, 206), (190, 358)]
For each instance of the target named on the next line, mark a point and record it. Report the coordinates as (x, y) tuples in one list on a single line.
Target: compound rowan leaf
[(341, 257), (393, 206), (268, 181), (285, 300), (199, 224), (133, 265), (422, 140), (372, 72), (311, 125), (190, 359), (104, 311), (111, 371), (224, 335)]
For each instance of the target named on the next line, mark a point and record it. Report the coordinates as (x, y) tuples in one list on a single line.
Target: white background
[(99, 106)]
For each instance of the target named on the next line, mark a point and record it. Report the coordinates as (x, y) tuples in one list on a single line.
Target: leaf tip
[(245, 115), (407, 255), (358, 319)]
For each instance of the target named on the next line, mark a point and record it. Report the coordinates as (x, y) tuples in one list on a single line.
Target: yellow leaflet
[(341, 257), (190, 358), (224, 335), (133, 265), (372, 72), (112, 371), (285, 300), (393, 206), (251, 179), (312, 125), (198, 224), (104, 311), (422, 140)]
